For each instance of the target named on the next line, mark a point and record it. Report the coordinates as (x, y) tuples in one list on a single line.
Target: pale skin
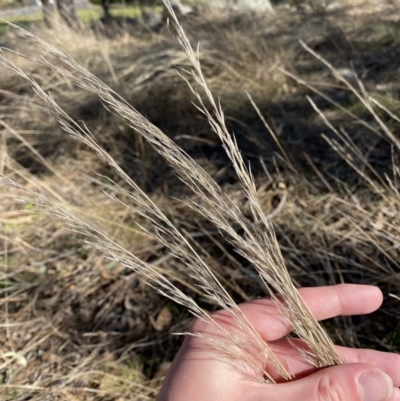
[(199, 374)]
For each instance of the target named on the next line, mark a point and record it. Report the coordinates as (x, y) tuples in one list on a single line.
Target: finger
[(350, 382), (298, 367), (323, 302), (342, 300), (385, 361)]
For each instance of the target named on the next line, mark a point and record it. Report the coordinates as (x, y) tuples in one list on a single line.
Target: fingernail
[(375, 386)]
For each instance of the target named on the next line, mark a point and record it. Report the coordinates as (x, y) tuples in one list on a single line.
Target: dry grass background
[(76, 326)]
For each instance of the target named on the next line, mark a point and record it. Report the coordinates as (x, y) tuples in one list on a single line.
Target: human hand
[(199, 374)]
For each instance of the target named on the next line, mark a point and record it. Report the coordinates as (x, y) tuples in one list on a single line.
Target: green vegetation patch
[(87, 15)]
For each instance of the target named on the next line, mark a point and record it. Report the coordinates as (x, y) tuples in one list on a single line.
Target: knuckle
[(329, 389)]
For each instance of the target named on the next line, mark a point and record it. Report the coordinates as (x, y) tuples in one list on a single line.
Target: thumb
[(349, 382)]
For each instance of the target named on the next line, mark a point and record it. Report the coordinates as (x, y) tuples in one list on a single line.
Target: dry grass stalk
[(361, 94), (179, 246), (347, 149), (258, 245), (383, 234)]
